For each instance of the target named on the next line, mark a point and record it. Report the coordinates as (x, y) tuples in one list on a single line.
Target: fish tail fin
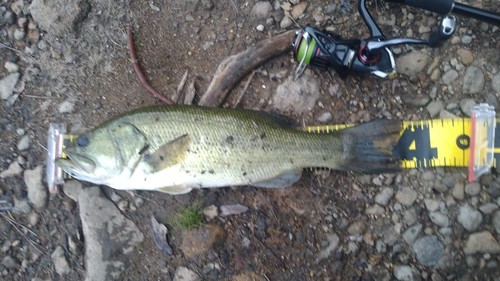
[(368, 148)]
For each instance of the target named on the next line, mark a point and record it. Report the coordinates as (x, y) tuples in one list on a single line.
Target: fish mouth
[(76, 164)]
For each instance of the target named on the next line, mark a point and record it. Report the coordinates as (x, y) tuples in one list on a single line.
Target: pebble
[(67, 106), (472, 188), (374, 210), (413, 63), (410, 216), (33, 218), (185, 274), (58, 17), (469, 217), (466, 39), (406, 196), (19, 34), (60, 263), (458, 191), (11, 67), (434, 108), (495, 83), (37, 193), (488, 208), (7, 85), (473, 81), (13, 170), (262, 9), (235, 209), (21, 206), (431, 205), (333, 242), (260, 27), (429, 250), (24, 143), (299, 95), (439, 218), (10, 263), (411, 234), (449, 76), (495, 219), (481, 242), (383, 197), (381, 246), (298, 10), (356, 228), (405, 273), (465, 56), (325, 117), (210, 212)]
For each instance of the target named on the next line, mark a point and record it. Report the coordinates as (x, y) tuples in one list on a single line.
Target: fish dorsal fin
[(168, 154), (284, 180), (175, 189)]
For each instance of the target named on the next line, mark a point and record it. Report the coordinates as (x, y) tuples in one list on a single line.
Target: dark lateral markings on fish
[(415, 145)]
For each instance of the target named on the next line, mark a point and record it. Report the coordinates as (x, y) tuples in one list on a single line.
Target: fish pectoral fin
[(175, 189), (168, 154), (284, 180)]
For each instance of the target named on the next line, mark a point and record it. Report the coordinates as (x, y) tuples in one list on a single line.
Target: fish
[(177, 148)]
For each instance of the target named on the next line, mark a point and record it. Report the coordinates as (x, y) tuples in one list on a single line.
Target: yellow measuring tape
[(459, 142)]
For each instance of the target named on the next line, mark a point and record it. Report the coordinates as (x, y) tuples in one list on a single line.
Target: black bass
[(176, 148)]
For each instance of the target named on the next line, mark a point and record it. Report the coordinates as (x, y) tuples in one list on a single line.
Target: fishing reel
[(373, 55)]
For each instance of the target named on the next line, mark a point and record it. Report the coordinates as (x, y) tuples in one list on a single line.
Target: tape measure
[(460, 142)]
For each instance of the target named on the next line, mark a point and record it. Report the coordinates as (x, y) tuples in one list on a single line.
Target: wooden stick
[(235, 67), (138, 71)]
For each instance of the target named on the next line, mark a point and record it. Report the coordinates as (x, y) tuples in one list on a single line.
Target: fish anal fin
[(175, 189), (168, 154), (284, 180)]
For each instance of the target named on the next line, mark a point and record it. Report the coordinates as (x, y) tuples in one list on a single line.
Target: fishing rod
[(373, 55)]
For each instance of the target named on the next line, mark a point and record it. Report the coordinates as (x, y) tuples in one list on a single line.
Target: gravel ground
[(66, 61)]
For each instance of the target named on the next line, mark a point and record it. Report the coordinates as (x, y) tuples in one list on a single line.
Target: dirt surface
[(329, 226)]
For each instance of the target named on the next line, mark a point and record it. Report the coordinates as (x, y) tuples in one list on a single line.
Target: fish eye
[(82, 141)]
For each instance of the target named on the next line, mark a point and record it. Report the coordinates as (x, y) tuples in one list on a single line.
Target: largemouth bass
[(176, 148)]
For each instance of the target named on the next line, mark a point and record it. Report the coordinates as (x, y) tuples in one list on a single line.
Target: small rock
[(67, 106), (466, 39), (458, 191), (465, 56), (7, 85), (472, 188), (383, 197), (298, 95), (298, 10), (60, 263), (449, 76), (405, 273), (469, 217), (481, 242), (488, 208), (333, 242), (229, 210), (33, 218), (412, 233), (374, 210), (473, 81), (429, 250), (59, 17), (431, 205), (210, 212), (381, 246), (37, 193), (24, 143), (495, 83), (262, 9), (13, 170), (200, 240), (286, 22), (356, 228), (410, 216), (260, 27), (21, 206), (413, 63), (11, 67), (439, 218), (406, 196), (434, 108), (325, 117), (10, 263), (185, 274), (160, 232), (495, 219)]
